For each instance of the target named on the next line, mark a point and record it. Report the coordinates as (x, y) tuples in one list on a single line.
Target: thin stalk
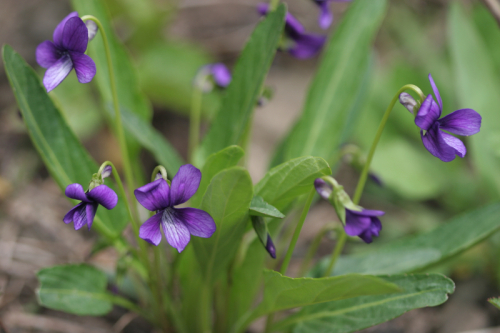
[(273, 4), (336, 252), (127, 167), (366, 168), (125, 303), (194, 122), (314, 247), (291, 247)]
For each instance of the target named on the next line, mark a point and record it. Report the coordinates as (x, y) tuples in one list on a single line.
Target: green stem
[(159, 169), (127, 167), (194, 122), (273, 4), (336, 252), (125, 303), (313, 248), (291, 247), (298, 228), (366, 168)]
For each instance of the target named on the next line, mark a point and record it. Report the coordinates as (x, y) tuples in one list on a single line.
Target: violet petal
[(57, 37), (90, 211), (104, 196), (47, 54), (221, 75), (307, 46), (434, 142), (176, 232), (198, 222), (68, 218), (428, 114), (355, 223), (461, 122), (150, 230), (80, 216), (108, 170), (75, 191), (75, 35), (369, 212), (154, 196), (271, 249), (84, 66), (56, 73), (455, 143), (184, 184), (325, 18), (436, 92)]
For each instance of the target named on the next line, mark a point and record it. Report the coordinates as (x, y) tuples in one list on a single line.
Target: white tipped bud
[(92, 29), (407, 101)]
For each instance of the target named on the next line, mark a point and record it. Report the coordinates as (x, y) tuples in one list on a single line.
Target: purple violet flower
[(70, 37), (211, 74), (178, 223), (360, 222), (461, 122), (325, 18), (85, 211), (299, 44)]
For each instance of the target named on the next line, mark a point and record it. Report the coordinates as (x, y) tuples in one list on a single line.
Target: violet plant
[(226, 277)]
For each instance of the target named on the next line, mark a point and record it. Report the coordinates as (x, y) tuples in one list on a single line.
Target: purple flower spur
[(178, 223), (360, 222), (461, 122), (84, 212), (325, 18), (298, 43), (70, 37)]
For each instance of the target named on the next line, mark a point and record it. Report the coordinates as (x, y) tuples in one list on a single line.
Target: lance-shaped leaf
[(351, 315), (477, 85), (495, 301), (285, 182), (66, 159), (333, 98), (419, 252), (77, 289), (226, 158), (227, 200), (228, 127), (282, 292), (258, 207)]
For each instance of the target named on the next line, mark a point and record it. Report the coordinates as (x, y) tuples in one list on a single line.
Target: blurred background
[(169, 41)]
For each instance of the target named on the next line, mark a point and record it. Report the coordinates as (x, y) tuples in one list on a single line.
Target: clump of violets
[(211, 76), (296, 41), (67, 51), (325, 17), (360, 222), (178, 224), (97, 194), (439, 143)]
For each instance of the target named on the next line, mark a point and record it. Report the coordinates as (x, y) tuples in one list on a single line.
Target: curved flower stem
[(194, 122), (118, 119), (291, 247), (366, 168), (159, 169)]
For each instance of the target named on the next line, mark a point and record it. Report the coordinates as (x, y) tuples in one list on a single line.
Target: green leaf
[(282, 292), (66, 159), (227, 200), (258, 207), (336, 86), (350, 315), (129, 95), (228, 126), (226, 158), (77, 289), (419, 252), (477, 85), (495, 301), (151, 139), (285, 182)]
